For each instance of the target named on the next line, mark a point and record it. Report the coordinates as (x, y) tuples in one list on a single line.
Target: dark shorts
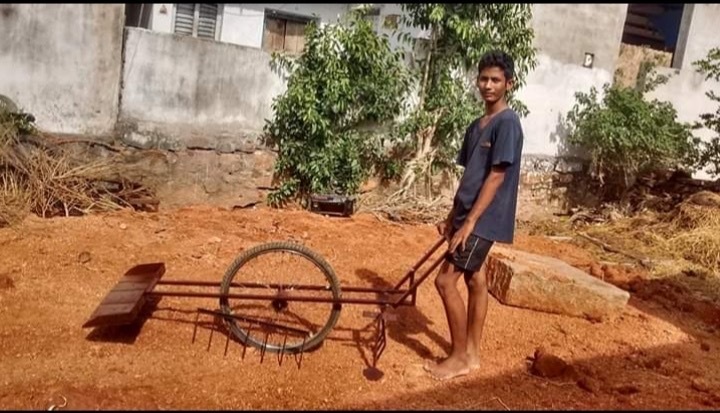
[(473, 256)]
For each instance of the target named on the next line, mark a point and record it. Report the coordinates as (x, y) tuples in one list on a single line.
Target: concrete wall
[(62, 63), (181, 91), (703, 33), (686, 88), (243, 24), (162, 17), (563, 34), (158, 90)]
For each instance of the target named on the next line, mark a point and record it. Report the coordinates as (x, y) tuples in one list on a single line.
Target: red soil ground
[(654, 356)]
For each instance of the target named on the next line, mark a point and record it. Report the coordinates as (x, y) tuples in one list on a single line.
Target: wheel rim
[(281, 271)]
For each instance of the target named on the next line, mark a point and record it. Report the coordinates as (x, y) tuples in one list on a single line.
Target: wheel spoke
[(318, 318)]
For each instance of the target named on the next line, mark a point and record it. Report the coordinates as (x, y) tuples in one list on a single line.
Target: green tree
[(443, 69), (710, 151), (344, 89), (625, 134)]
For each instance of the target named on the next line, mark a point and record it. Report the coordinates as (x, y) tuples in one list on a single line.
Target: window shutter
[(274, 34), (207, 21), (294, 37), (184, 17)]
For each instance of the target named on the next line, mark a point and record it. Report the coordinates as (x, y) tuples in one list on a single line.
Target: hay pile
[(407, 208), (697, 229), (690, 231), (631, 58), (39, 176)]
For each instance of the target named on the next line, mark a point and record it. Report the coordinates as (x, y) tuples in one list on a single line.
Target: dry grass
[(697, 229), (60, 185), (701, 246), (15, 200), (407, 208), (689, 234), (630, 59), (39, 177), (690, 215)]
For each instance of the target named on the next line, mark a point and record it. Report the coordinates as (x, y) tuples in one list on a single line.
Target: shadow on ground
[(654, 378), (410, 321)]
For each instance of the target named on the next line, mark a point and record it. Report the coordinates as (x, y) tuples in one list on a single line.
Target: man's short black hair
[(498, 58)]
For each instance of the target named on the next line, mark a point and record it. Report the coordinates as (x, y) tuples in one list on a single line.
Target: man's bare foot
[(430, 365), (473, 362), (449, 368)]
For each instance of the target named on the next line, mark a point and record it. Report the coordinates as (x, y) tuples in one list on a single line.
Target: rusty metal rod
[(275, 297), (420, 262), (413, 288), (280, 286)]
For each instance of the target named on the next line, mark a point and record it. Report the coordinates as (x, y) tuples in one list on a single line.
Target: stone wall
[(180, 178), (550, 184)]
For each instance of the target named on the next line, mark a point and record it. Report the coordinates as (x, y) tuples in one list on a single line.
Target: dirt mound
[(618, 274), (6, 282)]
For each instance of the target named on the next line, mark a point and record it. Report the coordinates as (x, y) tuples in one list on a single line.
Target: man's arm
[(486, 196), (443, 227)]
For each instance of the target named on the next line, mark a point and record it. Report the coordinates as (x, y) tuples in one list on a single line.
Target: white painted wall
[(162, 17), (62, 63), (704, 33), (686, 88), (563, 34), (243, 24), (549, 95), (220, 90)]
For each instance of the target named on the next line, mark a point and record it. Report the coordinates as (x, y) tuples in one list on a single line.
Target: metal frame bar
[(409, 278)]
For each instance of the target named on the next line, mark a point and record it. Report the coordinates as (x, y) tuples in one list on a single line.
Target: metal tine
[(227, 342), (384, 340), (264, 347), (197, 317), (302, 351), (281, 353), (247, 338), (212, 330), (380, 342)]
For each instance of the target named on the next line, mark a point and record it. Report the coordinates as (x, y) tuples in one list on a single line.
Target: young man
[(483, 213)]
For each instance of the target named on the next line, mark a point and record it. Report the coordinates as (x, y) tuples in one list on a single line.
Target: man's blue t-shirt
[(499, 142)]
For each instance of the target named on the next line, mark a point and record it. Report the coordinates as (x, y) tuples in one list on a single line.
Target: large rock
[(536, 282)]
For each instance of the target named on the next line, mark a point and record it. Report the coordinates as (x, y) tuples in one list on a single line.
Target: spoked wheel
[(280, 271)]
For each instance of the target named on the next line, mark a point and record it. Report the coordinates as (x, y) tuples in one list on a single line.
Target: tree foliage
[(353, 107), (345, 84), (442, 68), (625, 134), (710, 151)]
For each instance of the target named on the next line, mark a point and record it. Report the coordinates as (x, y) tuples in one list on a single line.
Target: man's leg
[(456, 364), (477, 310)]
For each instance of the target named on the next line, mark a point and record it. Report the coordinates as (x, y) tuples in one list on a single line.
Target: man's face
[(492, 84)]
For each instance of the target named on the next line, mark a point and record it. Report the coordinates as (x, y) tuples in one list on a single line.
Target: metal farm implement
[(262, 308)]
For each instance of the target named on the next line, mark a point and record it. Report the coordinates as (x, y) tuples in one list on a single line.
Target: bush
[(341, 90), (626, 135)]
